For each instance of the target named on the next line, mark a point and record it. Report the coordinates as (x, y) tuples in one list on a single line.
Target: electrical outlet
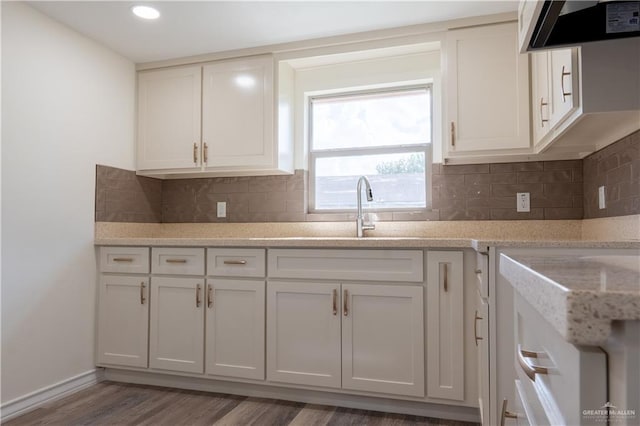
[(222, 209), (602, 203), (523, 204)]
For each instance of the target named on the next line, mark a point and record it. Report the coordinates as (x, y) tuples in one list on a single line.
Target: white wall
[(67, 104)]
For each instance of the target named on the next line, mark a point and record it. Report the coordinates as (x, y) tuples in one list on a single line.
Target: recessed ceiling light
[(145, 12)]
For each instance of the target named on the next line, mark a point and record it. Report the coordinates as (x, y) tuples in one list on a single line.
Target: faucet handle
[(368, 226)]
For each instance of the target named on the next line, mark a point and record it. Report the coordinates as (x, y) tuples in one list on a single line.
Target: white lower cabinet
[(176, 340), (481, 337), (383, 339), (235, 328), (303, 333), (445, 333), (123, 320), (355, 336)]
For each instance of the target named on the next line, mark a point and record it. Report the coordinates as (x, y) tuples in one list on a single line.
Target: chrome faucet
[(361, 226)]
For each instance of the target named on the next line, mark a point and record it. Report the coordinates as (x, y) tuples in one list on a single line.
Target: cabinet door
[(487, 91), (235, 328), (123, 320), (237, 113), (303, 333), (169, 118), (541, 91), (481, 335), (383, 339), (177, 324), (445, 348), (564, 84)]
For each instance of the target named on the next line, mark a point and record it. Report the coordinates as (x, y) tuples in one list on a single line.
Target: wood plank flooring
[(110, 403)]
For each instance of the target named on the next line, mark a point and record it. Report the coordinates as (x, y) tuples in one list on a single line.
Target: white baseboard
[(33, 400), (441, 411)]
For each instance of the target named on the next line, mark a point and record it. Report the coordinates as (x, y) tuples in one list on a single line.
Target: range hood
[(566, 23)]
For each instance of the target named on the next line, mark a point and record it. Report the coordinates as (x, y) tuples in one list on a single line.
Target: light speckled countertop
[(352, 242), (479, 235), (579, 295)]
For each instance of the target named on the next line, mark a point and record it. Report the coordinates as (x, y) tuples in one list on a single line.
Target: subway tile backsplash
[(617, 168), (558, 190)]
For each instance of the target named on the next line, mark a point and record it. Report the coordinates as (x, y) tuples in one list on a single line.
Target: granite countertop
[(480, 245), (579, 295)]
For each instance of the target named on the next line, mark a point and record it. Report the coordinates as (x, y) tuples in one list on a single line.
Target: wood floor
[(110, 403)]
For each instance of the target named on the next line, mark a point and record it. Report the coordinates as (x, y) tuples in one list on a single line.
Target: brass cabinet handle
[(123, 259), (453, 134), (176, 260), (530, 369), (195, 153), (210, 295), (235, 262), (564, 94), (445, 278), (506, 414), (205, 153), (346, 303), (542, 120), (142, 299), (475, 328), (198, 295), (335, 301)]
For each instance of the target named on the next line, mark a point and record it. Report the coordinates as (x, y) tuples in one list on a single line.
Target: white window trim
[(425, 148)]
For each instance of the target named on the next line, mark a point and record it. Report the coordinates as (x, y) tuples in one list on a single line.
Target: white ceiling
[(187, 28)]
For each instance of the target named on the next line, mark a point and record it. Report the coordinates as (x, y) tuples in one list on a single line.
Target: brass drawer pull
[(335, 301), (209, 295), (530, 369), (176, 260), (564, 94), (542, 120), (506, 414), (123, 259), (195, 153), (475, 328), (198, 296), (346, 303), (453, 134), (235, 262), (205, 154), (142, 299)]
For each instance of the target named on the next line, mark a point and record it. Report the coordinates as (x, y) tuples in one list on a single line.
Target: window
[(382, 134)]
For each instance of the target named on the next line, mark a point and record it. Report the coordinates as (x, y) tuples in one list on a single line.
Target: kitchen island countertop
[(580, 295)]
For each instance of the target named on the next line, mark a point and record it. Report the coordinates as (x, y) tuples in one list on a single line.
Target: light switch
[(222, 209), (523, 203), (602, 204)]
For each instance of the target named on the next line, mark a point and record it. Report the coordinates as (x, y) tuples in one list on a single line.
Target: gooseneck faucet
[(360, 225)]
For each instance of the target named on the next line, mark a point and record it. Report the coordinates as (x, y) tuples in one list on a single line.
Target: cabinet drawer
[(361, 265), (179, 261), (235, 262), (482, 274), (129, 260), (575, 378)]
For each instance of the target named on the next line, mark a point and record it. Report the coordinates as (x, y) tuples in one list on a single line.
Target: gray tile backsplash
[(617, 168), (558, 190)]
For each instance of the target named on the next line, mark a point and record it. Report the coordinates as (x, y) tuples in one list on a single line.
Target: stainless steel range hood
[(566, 23)]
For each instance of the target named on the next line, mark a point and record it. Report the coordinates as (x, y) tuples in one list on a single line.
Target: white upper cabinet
[(487, 93), (237, 110), (169, 119), (592, 94), (214, 119)]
